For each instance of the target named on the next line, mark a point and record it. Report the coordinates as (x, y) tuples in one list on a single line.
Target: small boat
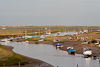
[(5, 40), (87, 52), (26, 41), (58, 45), (60, 41), (70, 50)]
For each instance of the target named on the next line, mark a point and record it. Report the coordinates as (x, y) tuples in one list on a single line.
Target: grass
[(8, 57), (33, 39)]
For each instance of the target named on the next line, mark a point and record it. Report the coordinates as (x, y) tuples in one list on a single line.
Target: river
[(51, 55)]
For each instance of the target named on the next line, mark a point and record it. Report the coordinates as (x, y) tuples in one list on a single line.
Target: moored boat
[(26, 41), (58, 45), (71, 50), (5, 40), (87, 52), (60, 41)]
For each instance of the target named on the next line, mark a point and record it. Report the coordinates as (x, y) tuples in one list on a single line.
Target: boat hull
[(71, 51)]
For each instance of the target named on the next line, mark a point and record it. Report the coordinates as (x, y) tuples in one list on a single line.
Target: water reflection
[(50, 54)]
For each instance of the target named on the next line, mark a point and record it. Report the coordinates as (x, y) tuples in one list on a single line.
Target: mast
[(25, 32)]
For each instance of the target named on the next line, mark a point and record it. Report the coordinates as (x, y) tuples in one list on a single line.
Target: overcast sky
[(50, 12)]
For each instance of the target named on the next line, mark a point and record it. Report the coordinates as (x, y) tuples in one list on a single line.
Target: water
[(49, 54)]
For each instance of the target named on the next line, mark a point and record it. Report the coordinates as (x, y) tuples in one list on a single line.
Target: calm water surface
[(49, 54)]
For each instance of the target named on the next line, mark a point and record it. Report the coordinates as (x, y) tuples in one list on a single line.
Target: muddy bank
[(76, 44), (31, 61), (79, 47), (40, 42)]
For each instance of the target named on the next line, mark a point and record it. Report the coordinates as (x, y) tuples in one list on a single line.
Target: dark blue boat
[(58, 45)]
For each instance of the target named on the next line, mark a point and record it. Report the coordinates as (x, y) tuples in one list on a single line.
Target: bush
[(23, 63), (93, 41)]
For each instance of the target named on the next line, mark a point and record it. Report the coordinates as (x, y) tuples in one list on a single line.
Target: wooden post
[(19, 64), (3, 64), (91, 43), (77, 65)]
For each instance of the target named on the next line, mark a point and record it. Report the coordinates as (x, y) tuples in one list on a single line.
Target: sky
[(50, 12)]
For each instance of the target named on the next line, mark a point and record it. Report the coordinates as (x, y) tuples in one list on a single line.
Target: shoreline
[(31, 61)]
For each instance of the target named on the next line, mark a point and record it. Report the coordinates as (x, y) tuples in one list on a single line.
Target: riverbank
[(76, 45), (31, 61)]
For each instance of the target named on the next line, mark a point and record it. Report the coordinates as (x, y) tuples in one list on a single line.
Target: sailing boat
[(88, 51)]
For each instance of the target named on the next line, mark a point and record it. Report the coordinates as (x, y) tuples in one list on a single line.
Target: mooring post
[(3, 64), (19, 64), (77, 65)]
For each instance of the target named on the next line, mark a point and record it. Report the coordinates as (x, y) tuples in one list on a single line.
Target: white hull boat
[(5, 40)]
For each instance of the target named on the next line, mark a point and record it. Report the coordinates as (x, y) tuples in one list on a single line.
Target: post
[(77, 65), (19, 64), (91, 43), (3, 64)]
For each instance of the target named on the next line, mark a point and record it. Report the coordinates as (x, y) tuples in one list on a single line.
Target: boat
[(87, 52), (68, 48), (10, 39), (5, 40), (58, 45), (71, 50), (26, 41), (60, 41)]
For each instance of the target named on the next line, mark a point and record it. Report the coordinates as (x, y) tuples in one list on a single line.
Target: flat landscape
[(76, 42)]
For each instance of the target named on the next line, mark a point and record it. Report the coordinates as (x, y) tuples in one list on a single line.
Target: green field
[(8, 57)]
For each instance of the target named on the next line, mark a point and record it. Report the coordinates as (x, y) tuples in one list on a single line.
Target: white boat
[(5, 40), (87, 52), (68, 48), (25, 41)]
